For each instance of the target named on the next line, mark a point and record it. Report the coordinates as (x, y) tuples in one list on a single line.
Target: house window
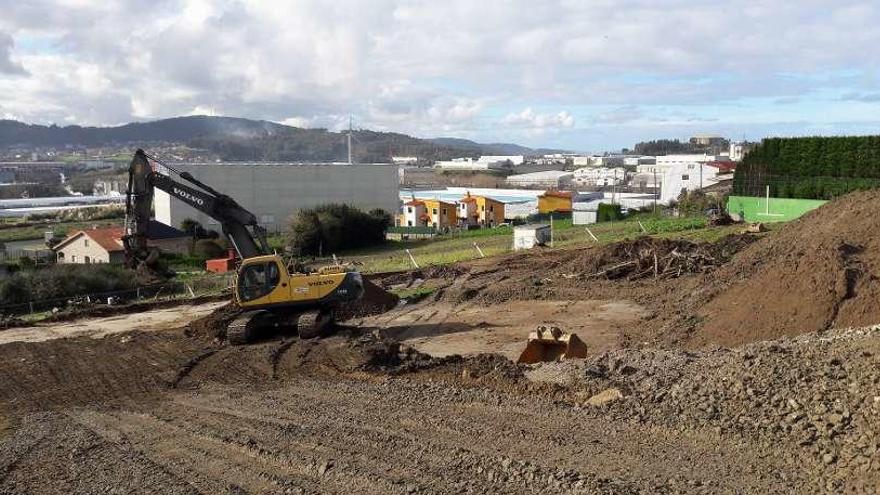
[(87, 260), (435, 225), (685, 177), (443, 211), (434, 211), (492, 208), (73, 258), (61, 256), (483, 208), (86, 242), (409, 209), (409, 223)]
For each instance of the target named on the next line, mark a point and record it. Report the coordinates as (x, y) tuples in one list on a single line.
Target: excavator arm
[(238, 224)]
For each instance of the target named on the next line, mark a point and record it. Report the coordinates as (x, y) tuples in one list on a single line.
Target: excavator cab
[(272, 297)]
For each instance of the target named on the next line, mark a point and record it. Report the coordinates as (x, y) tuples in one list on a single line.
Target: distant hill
[(493, 148), (245, 139)]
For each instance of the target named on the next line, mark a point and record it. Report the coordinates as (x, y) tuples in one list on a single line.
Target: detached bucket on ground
[(549, 343)]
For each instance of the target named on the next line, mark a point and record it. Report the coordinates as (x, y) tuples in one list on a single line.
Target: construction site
[(750, 364)]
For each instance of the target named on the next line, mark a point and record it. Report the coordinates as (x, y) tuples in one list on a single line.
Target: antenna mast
[(349, 139)]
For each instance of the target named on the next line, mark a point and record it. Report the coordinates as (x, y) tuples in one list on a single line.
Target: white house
[(413, 213), (687, 177)]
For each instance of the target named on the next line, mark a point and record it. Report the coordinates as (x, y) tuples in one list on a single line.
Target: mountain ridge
[(235, 138)]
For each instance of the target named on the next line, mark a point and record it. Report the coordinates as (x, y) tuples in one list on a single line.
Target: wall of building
[(755, 209), (686, 177), (442, 214), (81, 247), (551, 203), (274, 192)]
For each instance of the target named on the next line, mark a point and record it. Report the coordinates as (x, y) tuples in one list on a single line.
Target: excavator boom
[(239, 225)]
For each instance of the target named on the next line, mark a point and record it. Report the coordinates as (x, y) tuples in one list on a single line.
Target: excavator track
[(243, 329), (313, 324)]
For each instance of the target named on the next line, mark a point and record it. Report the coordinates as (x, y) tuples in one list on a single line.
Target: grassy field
[(10, 231), (460, 247)]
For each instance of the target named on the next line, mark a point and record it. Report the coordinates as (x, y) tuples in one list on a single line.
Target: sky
[(583, 75)]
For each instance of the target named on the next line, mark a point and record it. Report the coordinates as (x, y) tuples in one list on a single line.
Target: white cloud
[(529, 119), (428, 67)]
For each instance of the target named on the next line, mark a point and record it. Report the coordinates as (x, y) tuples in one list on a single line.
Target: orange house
[(480, 210), (428, 213), (555, 201)]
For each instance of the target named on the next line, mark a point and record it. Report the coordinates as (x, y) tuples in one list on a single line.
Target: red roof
[(109, 238), (723, 166), (415, 202), (558, 194)]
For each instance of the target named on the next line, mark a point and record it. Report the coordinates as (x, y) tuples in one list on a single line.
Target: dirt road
[(157, 319)]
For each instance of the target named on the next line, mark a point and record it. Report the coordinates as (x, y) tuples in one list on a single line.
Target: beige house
[(104, 245)]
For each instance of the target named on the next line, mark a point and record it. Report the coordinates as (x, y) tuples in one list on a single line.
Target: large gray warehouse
[(275, 191)]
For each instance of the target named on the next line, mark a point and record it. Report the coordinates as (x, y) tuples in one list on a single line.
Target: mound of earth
[(818, 272), (641, 270), (814, 394)]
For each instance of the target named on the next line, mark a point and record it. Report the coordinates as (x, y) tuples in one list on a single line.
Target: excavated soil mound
[(212, 326), (815, 273), (641, 270), (376, 300), (351, 350)]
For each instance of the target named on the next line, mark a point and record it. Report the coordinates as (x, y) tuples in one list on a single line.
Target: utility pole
[(349, 139), (655, 189), (701, 176)]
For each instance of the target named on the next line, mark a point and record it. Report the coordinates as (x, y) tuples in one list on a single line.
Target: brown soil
[(358, 412), (818, 272)]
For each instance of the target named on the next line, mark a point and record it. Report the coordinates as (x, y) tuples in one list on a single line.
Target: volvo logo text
[(189, 197)]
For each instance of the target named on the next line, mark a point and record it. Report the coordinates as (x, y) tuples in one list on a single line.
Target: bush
[(196, 230), (207, 249), (608, 212), (60, 281), (336, 227)]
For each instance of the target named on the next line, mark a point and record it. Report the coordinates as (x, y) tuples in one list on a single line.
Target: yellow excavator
[(268, 294)]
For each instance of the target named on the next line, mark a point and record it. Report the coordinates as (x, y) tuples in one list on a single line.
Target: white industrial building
[(598, 161), (600, 177), (404, 160), (687, 177), (666, 162), (635, 161), (275, 191), (551, 179), (485, 162)]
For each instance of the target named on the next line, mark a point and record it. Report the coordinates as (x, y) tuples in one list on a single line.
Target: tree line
[(810, 167)]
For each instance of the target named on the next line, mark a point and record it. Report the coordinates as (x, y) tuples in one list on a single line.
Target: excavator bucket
[(549, 343)]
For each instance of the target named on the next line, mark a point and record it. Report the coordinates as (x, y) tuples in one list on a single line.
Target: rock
[(828, 458), (604, 397)]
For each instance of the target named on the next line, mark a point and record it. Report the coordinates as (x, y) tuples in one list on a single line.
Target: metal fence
[(42, 255), (158, 292)]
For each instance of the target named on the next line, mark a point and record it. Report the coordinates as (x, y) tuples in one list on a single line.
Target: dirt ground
[(697, 381), (159, 412), (156, 319), (443, 329)]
